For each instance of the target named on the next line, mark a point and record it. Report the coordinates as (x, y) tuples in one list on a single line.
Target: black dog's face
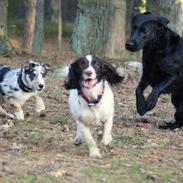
[(87, 71), (145, 30)]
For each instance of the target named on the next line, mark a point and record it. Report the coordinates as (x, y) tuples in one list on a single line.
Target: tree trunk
[(55, 12), (34, 26), (173, 10), (60, 26), (5, 46), (100, 28), (3, 14)]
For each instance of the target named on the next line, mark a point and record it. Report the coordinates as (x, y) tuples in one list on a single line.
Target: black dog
[(162, 63)]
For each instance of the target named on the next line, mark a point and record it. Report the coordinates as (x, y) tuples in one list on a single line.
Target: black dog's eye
[(144, 31), (134, 27)]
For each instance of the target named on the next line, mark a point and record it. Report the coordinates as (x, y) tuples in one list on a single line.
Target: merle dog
[(162, 63), (18, 85)]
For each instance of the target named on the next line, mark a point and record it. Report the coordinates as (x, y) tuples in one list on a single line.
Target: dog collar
[(21, 83), (91, 102)]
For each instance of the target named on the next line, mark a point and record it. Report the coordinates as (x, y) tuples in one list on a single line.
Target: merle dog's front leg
[(153, 97), (140, 100)]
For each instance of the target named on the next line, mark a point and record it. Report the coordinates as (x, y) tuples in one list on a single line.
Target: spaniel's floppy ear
[(110, 73), (72, 81)]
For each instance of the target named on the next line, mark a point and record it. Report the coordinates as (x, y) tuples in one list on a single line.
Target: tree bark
[(100, 28), (34, 26), (60, 26), (3, 14), (173, 10), (5, 46)]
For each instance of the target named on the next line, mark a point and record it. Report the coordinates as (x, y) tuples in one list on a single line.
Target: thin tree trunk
[(5, 46), (3, 15), (100, 28), (38, 32), (60, 26), (33, 26), (29, 25)]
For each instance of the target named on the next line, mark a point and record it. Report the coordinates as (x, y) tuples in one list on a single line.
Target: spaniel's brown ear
[(72, 81), (110, 73)]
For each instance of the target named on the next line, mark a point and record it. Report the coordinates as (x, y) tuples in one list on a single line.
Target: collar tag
[(93, 101)]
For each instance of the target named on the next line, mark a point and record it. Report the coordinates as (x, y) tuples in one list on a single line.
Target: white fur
[(97, 115), (19, 97), (89, 58)]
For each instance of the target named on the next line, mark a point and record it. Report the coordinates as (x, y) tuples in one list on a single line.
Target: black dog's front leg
[(140, 100), (153, 97)]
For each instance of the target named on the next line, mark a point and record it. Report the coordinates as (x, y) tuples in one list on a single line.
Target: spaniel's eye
[(96, 64), (82, 64)]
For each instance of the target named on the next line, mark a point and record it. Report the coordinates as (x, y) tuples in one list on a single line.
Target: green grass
[(32, 178), (16, 28)]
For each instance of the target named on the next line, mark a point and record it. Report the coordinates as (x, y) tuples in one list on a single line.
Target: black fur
[(162, 63), (3, 71), (103, 70)]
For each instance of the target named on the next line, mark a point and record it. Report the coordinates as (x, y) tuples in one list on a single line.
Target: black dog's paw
[(141, 106), (170, 125), (151, 100)]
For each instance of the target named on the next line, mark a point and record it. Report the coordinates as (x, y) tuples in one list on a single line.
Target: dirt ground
[(41, 150)]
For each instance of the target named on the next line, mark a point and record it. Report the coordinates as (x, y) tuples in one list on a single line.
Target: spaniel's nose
[(88, 72)]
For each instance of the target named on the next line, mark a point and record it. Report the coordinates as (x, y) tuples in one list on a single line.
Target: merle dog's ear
[(28, 65), (110, 73), (163, 21), (72, 81), (47, 67)]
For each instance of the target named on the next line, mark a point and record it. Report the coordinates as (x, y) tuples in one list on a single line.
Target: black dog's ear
[(147, 13), (72, 81), (163, 21), (110, 73)]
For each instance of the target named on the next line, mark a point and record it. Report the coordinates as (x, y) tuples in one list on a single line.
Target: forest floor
[(41, 150)]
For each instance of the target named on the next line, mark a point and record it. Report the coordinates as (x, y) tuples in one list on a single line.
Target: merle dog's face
[(33, 74), (145, 30), (87, 71)]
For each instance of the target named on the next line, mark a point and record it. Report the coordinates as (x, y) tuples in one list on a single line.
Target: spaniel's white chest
[(93, 115)]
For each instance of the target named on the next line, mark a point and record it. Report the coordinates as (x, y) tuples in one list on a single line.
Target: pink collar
[(92, 102)]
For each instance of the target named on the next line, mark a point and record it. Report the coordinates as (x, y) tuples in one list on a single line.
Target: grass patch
[(32, 178), (165, 142), (16, 28), (61, 119)]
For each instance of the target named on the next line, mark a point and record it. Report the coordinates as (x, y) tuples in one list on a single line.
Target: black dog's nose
[(41, 86), (131, 45)]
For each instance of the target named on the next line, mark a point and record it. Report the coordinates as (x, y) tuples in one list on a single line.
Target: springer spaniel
[(91, 99), (18, 85)]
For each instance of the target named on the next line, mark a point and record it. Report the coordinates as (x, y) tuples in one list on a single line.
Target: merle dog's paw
[(151, 100), (141, 106)]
